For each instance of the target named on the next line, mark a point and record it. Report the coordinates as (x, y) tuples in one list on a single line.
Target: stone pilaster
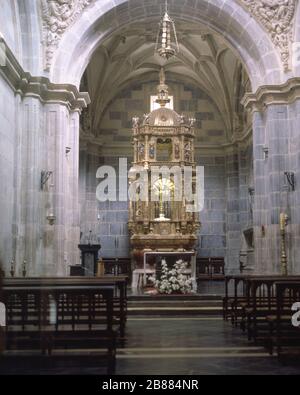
[(61, 192), (46, 138), (276, 151), (30, 144)]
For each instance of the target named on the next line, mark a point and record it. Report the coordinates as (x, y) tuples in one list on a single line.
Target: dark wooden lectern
[(89, 259)]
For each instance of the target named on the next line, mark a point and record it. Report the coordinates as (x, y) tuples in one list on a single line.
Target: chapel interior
[(94, 96)]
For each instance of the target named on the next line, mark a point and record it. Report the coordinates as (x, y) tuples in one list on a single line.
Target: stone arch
[(30, 35), (242, 32)]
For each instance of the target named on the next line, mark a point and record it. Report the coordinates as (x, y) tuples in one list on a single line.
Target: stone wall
[(293, 197), (212, 236), (239, 181), (107, 221), (135, 101), (277, 130)]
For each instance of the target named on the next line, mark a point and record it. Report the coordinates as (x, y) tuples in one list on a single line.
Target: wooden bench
[(252, 301), (61, 323), (283, 335), (235, 294), (246, 291), (119, 284), (261, 302)]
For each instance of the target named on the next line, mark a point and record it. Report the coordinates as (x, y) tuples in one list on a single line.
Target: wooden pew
[(235, 296), (119, 284), (252, 301), (246, 294), (62, 323), (283, 335), (262, 302)]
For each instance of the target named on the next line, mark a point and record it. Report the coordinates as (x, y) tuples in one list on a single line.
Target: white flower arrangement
[(173, 280)]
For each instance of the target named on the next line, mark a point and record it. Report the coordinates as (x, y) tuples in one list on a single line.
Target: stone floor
[(193, 346), (211, 288), (186, 346)]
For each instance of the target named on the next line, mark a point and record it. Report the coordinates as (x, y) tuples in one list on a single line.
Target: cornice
[(267, 95), (26, 85)]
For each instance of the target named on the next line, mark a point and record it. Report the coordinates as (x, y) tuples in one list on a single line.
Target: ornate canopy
[(163, 139)]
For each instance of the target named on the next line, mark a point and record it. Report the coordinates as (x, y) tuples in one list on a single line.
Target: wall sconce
[(51, 218), (266, 152), (68, 150), (251, 191), (263, 231), (290, 177), (45, 175)]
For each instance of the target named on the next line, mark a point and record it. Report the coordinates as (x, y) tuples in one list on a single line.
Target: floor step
[(174, 310), (174, 304), (181, 298)]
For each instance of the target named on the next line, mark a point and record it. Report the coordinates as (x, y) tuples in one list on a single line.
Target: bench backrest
[(40, 307)]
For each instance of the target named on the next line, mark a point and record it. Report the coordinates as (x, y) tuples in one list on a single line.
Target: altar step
[(175, 306)]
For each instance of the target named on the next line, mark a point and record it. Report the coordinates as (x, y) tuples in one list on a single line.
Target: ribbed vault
[(204, 61)]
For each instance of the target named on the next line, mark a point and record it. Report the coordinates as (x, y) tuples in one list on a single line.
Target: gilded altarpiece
[(164, 222)]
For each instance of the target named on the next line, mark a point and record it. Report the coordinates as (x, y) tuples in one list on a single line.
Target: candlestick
[(283, 221), (284, 263), (24, 267), (12, 268)]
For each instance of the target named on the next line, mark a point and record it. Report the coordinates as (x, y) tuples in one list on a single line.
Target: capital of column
[(267, 95)]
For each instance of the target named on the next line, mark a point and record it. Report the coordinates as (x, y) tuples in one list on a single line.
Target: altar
[(140, 275)]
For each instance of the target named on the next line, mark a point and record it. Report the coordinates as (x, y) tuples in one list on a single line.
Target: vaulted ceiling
[(205, 60)]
